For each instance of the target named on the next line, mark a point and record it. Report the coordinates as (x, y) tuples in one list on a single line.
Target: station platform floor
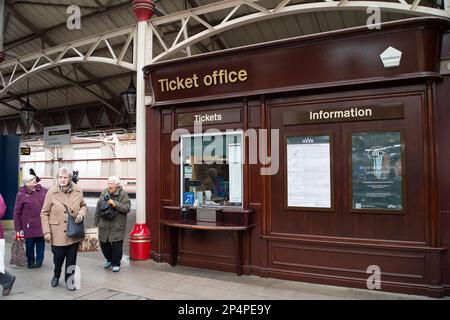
[(149, 280)]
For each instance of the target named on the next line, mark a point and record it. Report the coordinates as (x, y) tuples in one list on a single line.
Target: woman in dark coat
[(27, 217), (6, 279), (111, 219)]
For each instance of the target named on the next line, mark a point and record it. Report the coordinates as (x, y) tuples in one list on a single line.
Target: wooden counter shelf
[(233, 219)]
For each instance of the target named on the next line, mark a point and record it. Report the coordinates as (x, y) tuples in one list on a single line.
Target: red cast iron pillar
[(2, 56), (143, 9), (140, 236)]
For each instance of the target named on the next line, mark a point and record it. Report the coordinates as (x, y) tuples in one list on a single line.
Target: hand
[(79, 218), (19, 235), (48, 237), (112, 203)]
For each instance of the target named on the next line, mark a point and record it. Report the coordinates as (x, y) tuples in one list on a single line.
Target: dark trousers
[(68, 253), (112, 251), (39, 244)]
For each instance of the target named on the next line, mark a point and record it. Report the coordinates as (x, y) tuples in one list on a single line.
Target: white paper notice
[(308, 174), (235, 173)]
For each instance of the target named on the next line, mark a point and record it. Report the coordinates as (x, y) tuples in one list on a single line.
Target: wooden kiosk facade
[(367, 105)]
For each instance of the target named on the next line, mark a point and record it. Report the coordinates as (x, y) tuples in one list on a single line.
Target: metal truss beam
[(99, 118), (260, 13), (44, 32), (69, 53), (72, 53)]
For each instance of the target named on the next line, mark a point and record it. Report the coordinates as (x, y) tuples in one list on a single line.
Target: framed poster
[(308, 171), (377, 182)]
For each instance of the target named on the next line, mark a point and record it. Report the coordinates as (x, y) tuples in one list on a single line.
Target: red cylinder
[(140, 242), (2, 56), (143, 9)]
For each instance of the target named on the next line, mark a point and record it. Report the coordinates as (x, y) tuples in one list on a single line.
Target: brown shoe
[(7, 290)]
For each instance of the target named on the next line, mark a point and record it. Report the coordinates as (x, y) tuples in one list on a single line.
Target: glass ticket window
[(211, 169), (377, 172)]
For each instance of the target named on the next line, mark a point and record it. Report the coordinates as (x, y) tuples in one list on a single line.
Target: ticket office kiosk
[(345, 181)]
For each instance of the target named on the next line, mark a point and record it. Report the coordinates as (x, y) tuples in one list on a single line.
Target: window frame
[(222, 133), (86, 160)]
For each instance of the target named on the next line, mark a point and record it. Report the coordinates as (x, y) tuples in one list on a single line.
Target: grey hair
[(64, 170), (27, 178), (115, 180)]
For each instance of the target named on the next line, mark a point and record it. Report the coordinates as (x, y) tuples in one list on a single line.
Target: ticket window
[(212, 169)]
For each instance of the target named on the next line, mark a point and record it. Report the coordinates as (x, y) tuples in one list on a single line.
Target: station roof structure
[(76, 75)]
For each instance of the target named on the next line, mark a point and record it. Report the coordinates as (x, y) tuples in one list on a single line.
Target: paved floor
[(139, 280)]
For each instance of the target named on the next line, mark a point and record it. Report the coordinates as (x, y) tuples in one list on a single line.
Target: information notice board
[(377, 171), (308, 171)]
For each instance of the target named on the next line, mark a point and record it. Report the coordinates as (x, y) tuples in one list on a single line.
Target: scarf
[(67, 189)]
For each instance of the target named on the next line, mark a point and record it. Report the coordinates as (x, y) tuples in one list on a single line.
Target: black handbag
[(106, 211), (74, 230)]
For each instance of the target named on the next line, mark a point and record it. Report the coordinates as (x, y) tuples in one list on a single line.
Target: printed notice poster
[(309, 171), (377, 171)]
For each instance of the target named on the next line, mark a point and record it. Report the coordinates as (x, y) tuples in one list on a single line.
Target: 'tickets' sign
[(206, 118)]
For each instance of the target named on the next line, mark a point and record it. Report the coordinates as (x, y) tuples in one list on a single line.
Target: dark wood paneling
[(443, 143), (445, 47), (445, 241), (430, 166), (211, 249), (167, 176), (152, 195), (443, 134), (254, 116), (402, 270), (408, 227), (214, 246), (305, 62), (429, 41), (341, 261), (167, 123), (326, 247), (255, 185)]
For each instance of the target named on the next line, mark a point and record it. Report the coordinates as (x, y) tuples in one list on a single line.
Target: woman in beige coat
[(63, 197)]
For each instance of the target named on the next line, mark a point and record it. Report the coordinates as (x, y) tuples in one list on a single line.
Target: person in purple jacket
[(6, 279), (27, 218)]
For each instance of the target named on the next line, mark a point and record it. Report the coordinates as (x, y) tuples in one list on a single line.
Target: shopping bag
[(18, 255), (2, 255), (2, 206), (90, 242)]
